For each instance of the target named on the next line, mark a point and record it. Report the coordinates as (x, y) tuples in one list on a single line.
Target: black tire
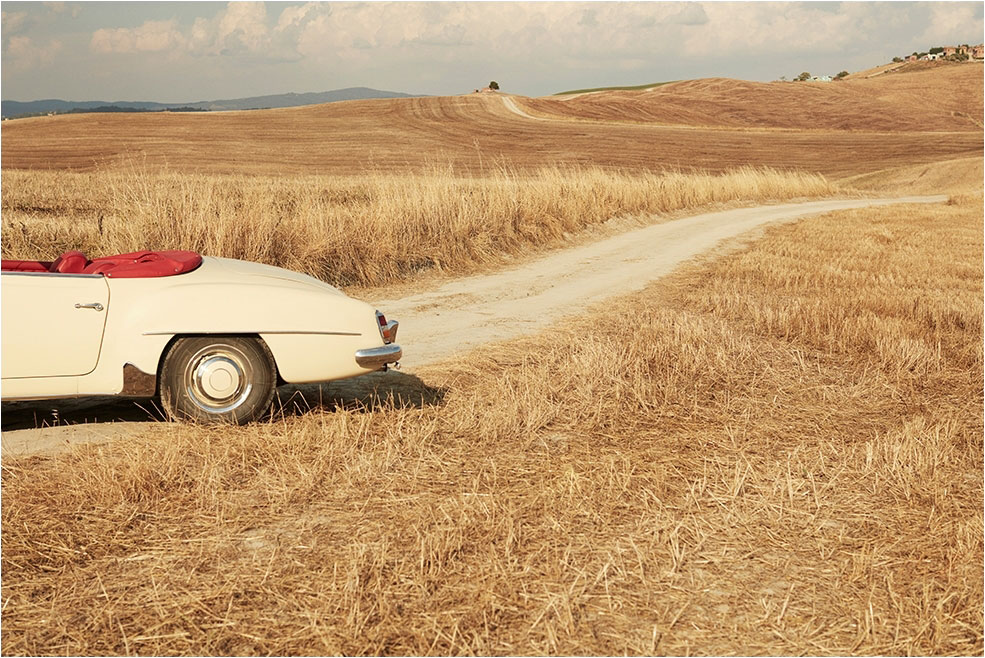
[(218, 379)]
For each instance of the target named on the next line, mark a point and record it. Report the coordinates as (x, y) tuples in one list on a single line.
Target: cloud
[(152, 36), (22, 52), (628, 31), (61, 7), (243, 29), (13, 22), (759, 27), (948, 23)]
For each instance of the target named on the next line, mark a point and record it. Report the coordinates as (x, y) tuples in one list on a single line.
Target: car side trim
[(261, 331), (68, 275)]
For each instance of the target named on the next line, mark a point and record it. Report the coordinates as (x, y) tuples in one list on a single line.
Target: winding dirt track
[(466, 313)]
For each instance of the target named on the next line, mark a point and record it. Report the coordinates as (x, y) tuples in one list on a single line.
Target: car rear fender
[(144, 319)]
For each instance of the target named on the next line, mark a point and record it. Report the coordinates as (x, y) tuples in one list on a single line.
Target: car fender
[(293, 318)]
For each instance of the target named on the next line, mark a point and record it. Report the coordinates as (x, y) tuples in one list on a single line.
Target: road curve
[(468, 312), (465, 313)]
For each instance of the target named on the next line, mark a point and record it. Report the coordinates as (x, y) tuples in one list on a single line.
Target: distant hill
[(631, 88), (13, 109)]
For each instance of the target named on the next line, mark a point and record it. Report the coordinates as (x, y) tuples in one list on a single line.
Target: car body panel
[(52, 324), (312, 329)]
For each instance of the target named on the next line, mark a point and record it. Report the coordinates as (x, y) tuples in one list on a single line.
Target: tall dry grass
[(359, 230), (776, 453)]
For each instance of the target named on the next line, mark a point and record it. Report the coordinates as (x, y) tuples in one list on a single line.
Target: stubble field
[(704, 125), (778, 452), (775, 451)]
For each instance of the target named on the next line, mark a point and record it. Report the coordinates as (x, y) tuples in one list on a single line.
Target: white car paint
[(52, 348)]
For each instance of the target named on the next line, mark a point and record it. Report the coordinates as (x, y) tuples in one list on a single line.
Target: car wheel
[(218, 379)]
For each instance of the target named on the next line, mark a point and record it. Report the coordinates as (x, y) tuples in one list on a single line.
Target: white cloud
[(242, 28), (771, 27), (152, 36), (60, 8), (949, 23), (24, 53), (13, 22)]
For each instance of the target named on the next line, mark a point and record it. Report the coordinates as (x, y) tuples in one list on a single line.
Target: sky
[(189, 51)]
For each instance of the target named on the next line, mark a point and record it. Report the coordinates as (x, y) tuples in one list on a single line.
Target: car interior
[(138, 264)]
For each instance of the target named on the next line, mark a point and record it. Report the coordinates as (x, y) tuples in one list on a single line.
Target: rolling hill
[(894, 102), (15, 109), (839, 129)]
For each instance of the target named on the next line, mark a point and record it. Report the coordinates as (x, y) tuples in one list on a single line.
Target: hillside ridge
[(14, 109)]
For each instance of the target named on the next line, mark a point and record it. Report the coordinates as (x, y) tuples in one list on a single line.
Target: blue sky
[(188, 51)]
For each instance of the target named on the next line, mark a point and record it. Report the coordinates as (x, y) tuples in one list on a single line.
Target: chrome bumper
[(375, 358)]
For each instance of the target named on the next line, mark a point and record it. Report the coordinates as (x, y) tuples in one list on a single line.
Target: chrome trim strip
[(377, 357), (271, 333), (62, 274)]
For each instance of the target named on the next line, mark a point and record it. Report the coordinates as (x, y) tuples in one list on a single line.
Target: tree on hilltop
[(803, 76), (494, 85)]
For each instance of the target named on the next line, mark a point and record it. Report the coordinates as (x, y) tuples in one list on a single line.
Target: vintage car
[(212, 336)]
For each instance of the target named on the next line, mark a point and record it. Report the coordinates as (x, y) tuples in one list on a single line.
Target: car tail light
[(388, 330)]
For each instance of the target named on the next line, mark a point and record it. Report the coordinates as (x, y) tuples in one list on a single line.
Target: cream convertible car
[(212, 336)]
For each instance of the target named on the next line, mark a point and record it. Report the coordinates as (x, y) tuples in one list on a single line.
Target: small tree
[(803, 76), (935, 50), (494, 85), (897, 59), (841, 75)]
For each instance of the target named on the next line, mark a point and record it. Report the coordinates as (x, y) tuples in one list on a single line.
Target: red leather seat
[(26, 266), (136, 265), (145, 264), (71, 262)]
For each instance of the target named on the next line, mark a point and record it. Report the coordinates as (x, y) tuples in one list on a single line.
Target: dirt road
[(469, 312), (465, 313)]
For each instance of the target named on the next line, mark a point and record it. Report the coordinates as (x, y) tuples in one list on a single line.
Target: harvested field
[(963, 176), (790, 462), (478, 133), (367, 230), (892, 102)]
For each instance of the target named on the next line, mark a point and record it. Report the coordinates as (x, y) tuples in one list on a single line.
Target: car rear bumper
[(378, 357)]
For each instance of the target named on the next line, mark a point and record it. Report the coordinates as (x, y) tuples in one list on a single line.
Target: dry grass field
[(778, 452), (892, 103), (837, 130), (962, 176), (365, 230)]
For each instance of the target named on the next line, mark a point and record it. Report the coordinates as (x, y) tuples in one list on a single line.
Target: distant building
[(911, 58), (821, 78), (934, 56), (977, 52)]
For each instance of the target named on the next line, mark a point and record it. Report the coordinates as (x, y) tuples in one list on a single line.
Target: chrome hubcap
[(218, 378)]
